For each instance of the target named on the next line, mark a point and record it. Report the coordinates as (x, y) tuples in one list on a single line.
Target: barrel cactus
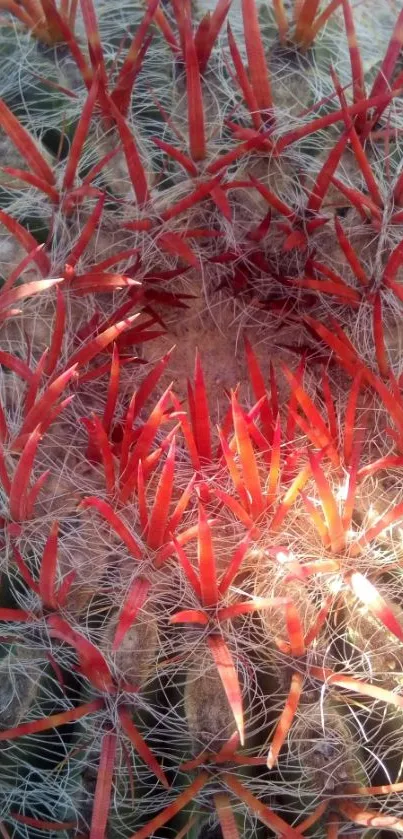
[(201, 419)]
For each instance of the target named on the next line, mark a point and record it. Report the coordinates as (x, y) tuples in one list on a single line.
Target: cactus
[(201, 419)]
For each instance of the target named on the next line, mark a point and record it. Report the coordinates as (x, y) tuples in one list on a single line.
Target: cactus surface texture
[(201, 419)]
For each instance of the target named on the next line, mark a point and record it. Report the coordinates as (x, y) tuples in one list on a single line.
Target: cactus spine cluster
[(201, 419)]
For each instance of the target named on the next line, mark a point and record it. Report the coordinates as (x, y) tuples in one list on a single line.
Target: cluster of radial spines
[(283, 254), (251, 501), (266, 476)]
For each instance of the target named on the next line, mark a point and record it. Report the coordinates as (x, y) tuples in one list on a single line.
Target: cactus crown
[(201, 419)]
